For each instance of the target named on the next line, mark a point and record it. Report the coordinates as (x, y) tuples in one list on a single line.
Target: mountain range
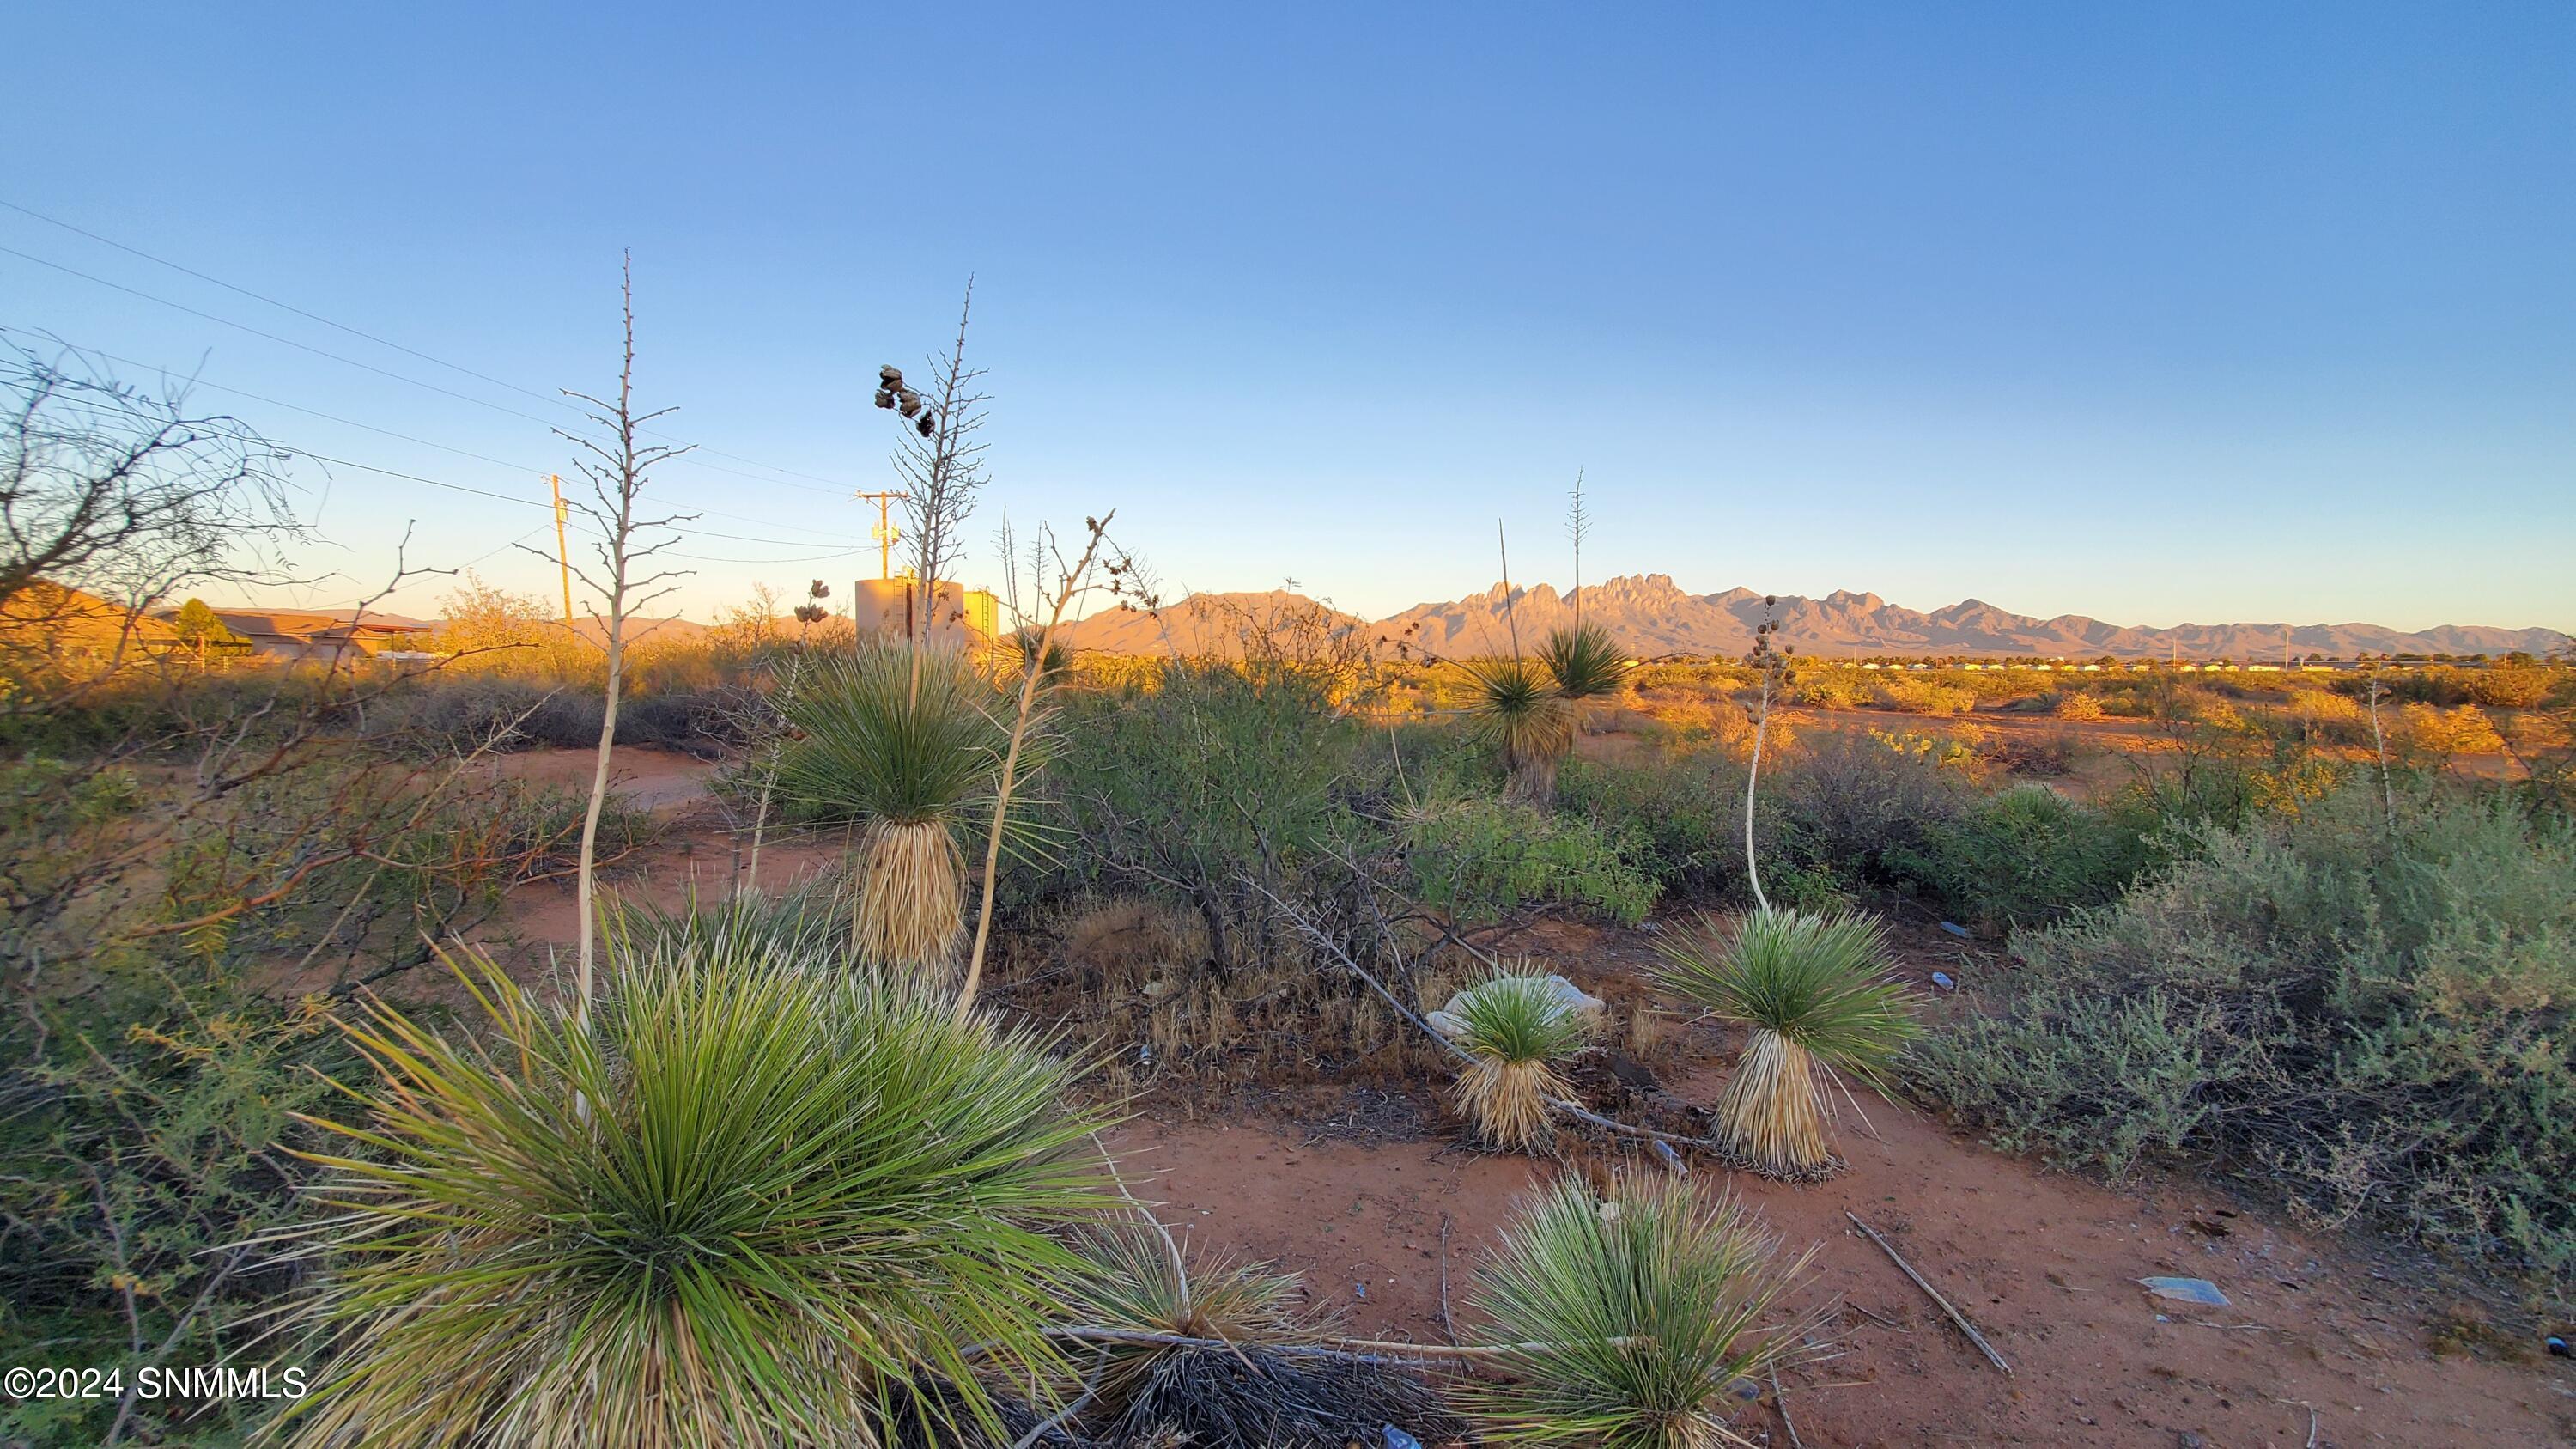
[(1651, 616)]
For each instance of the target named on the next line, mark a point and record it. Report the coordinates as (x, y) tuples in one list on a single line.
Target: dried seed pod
[(908, 400), (889, 377), (1770, 601), (929, 423), (885, 399)]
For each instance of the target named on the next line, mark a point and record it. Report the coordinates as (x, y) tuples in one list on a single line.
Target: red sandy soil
[(1355, 1191)]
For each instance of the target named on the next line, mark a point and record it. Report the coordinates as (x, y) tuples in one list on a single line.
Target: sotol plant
[(1517, 1030), (1816, 993), (1517, 708), (756, 1201), (909, 742), (1623, 1322), (1584, 661)]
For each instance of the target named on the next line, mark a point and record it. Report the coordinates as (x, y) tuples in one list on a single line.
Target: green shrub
[(146, 1137), (1681, 819), (2373, 1020), (2025, 856), (1213, 780), (1478, 860)]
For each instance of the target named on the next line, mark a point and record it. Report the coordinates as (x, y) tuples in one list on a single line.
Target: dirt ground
[(1372, 1198)]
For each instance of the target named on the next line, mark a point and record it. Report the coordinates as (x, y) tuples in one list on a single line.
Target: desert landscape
[(1285, 727)]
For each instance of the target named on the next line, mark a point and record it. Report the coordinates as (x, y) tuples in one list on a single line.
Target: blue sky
[(2151, 313)]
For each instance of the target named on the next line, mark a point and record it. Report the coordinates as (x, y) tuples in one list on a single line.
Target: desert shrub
[(147, 1130), (1680, 819), (1205, 790), (2460, 730), (1482, 859), (1845, 804), (1921, 696), (800, 1192), (466, 711), (2076, 704), (2371, 1020), (1829, 689), (2509, 686), (2026, 856)]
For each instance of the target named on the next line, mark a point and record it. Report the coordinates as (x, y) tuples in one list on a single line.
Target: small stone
[(2185, 1439), (1746, 1389)]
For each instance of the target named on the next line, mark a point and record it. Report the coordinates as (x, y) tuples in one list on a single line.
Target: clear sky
[(2147, 312)]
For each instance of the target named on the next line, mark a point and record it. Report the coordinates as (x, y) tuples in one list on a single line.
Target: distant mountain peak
[(1650, 615)]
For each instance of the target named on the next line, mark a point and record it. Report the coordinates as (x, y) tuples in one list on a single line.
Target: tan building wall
[(959, 617)]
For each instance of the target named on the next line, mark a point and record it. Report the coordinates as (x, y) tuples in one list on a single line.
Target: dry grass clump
[(2075, 704), (1816, 993), (1135, 975), (1518, 1029), (1626, 1319), (1248, 1393)]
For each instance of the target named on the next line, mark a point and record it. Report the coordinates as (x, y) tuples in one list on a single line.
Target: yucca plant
[(909, 747), (1029, 644), (1517, 1028), (1583, 661), (1816, 992), (1138, 1279), (1623, 1322), (1517, 707), (758, 1200), (807, 921), (1256, 1390)]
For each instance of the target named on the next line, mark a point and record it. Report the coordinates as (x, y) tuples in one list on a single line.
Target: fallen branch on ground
[(1956, 1316)]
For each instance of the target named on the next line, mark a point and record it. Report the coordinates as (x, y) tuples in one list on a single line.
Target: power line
[(354, 423), (540, 503), (370, 367)]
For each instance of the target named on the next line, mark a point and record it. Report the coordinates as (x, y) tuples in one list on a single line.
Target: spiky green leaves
[(1624, 1321), (1816, 992), (1516, 1029), (747, 1205), (1583, 661), (1519, 1018), (1820, 982), (882, 734), (1136, 1278), (1516, 707)]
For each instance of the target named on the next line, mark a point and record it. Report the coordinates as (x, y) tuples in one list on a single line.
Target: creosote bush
[(1628, 1318), (1480, 859), (759, 1200)]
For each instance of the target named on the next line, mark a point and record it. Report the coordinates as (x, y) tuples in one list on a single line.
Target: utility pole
[(885, 532), (563, 554)]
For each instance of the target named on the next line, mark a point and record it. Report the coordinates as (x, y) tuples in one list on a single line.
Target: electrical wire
[(831, 486), (390, 433)]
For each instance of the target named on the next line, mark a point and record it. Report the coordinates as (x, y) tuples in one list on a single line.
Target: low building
[(304, 636), (77, 630)]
